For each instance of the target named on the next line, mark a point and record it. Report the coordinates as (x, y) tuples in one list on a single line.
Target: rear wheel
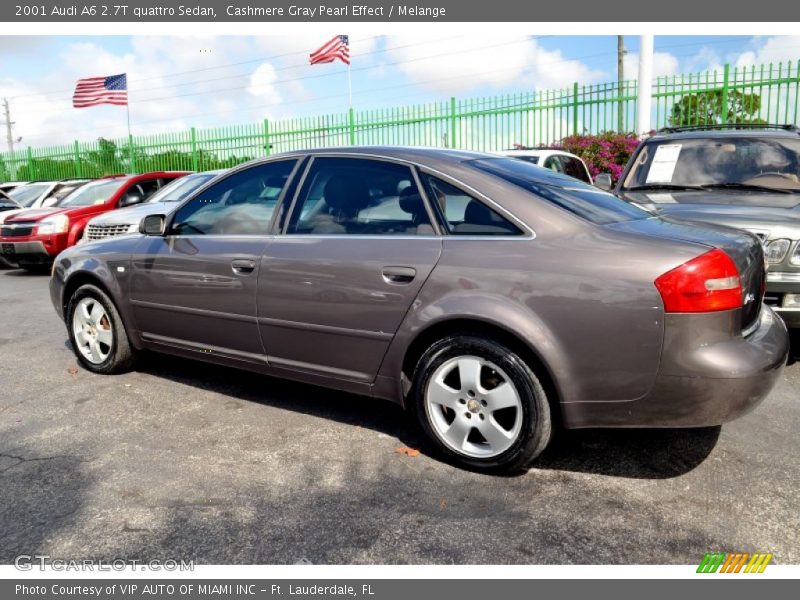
[(96, 332), (481, 404)]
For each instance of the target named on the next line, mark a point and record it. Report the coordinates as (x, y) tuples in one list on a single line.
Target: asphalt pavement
[(182, 460)]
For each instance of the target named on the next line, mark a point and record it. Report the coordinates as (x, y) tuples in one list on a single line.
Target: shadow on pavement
[(632, 453)]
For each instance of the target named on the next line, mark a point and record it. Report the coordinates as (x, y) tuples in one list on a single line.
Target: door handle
[(398, 275), (243, 266)]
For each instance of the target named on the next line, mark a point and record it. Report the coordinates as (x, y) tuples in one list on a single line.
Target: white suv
[(555, 160)]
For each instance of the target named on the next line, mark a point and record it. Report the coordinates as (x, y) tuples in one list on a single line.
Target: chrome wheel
[(92, 330), (473, 407)]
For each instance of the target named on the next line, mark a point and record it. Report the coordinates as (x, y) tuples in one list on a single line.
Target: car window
[(26, 195), (240, 204), (553, 163), (93, 193), (351, 196), (180, 188), (581, 199), (574, 168), (147, 188), (464, 214), (770, 162)]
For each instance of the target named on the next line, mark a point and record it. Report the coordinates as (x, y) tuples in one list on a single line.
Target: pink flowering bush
[(607, 152)]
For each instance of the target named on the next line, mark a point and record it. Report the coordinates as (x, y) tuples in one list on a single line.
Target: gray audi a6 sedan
[(494, 299)]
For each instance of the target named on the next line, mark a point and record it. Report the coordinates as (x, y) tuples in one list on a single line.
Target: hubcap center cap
[(473, 405)]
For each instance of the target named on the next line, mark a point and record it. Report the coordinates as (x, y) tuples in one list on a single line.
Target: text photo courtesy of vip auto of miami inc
[(337, 297)]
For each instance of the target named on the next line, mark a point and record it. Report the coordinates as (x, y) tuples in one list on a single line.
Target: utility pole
[(9, 139), (645, 98), (9, 124), (620, 82)]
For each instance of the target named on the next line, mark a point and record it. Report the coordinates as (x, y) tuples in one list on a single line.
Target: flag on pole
[(337, 47), (101, 90)]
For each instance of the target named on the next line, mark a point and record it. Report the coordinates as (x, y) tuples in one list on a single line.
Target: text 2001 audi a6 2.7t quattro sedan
[(494, 298)]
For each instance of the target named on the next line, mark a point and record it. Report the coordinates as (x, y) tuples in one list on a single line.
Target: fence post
[(575, 108), (31, 170), (131, 154), (453, 121), (725, 78), (195, 158), (78, 166), (351, 122), (267, 144)]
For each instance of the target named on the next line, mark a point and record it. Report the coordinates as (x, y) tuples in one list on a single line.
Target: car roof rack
[(724, 126)]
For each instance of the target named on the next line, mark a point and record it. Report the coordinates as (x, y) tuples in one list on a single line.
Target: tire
[(515, 435), (113, 352)]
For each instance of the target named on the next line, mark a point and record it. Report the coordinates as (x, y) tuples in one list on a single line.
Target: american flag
[(337, 47), (101, 90)]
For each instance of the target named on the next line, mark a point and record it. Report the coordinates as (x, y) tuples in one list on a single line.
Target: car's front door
[(195, 287), (335, 286)]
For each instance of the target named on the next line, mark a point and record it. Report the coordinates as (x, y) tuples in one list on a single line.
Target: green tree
[(706, 108)]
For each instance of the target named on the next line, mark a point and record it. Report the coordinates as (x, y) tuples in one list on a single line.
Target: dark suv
[(743, 176)]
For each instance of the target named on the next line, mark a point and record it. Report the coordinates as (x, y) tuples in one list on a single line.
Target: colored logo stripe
[(734, 563)]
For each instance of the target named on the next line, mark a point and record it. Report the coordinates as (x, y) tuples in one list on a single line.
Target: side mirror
[(603, 181), (130, 199), (153, 225)]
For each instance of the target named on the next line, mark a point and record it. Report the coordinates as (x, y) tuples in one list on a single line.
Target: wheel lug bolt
[(469, 416), (484, 402), (461, 401)]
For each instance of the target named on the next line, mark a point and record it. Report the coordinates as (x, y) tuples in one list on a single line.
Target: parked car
[(747, 178), (34, 237), (41, 194), (126, 220), (555, 160), (494, 298)]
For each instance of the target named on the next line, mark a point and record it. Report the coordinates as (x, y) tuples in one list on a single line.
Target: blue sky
[(177, 82)]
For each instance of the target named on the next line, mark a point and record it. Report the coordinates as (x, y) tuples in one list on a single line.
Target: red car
[(33, 238)]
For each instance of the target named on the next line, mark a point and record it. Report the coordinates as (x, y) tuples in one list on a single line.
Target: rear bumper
[(709, 385), (25, 253), (778, 285)]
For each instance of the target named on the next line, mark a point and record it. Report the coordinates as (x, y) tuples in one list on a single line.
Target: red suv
[(33, 238)]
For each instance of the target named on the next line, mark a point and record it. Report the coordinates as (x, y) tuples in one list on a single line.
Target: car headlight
[(54, 224), (795, 260), (776, 250)]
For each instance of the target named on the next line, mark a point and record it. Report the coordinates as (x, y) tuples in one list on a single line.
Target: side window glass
[(574, 168), (241, 204), (463, 214), (353, 196), (554, 164), (146, 188)]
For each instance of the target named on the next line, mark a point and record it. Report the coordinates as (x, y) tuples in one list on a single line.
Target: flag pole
[(349, 85), (130, 136)]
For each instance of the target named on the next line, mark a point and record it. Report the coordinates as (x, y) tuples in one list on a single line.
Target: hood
[(34, 214), (134, 214), (767, 215)]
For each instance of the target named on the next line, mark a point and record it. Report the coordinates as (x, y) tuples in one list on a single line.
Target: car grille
[(99, 232), (17, 229)]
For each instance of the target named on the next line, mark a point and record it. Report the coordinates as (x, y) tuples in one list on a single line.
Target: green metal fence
[(766, 93)]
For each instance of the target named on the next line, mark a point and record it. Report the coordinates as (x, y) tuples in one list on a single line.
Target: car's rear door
[(195, 288), (357, 246)]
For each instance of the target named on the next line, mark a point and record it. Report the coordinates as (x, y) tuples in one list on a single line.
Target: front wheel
[(481, 404), (96, 332)]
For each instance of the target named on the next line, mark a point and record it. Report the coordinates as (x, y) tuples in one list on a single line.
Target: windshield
[(93, 193), (586, 201), (26, 195), (180, 188), (751, 164)]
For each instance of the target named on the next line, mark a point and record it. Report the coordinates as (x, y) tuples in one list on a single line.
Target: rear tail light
[(707, 283)]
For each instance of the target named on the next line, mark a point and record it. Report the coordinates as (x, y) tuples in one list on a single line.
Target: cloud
[(785, 48), (664, 64), (454, 65)]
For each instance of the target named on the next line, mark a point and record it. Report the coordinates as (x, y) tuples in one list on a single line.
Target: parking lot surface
[(182, 460)]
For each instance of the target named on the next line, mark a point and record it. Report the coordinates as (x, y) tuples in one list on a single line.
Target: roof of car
[(720, 133)]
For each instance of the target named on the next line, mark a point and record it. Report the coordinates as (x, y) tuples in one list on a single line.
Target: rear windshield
[(583, 200), (93, 193)]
